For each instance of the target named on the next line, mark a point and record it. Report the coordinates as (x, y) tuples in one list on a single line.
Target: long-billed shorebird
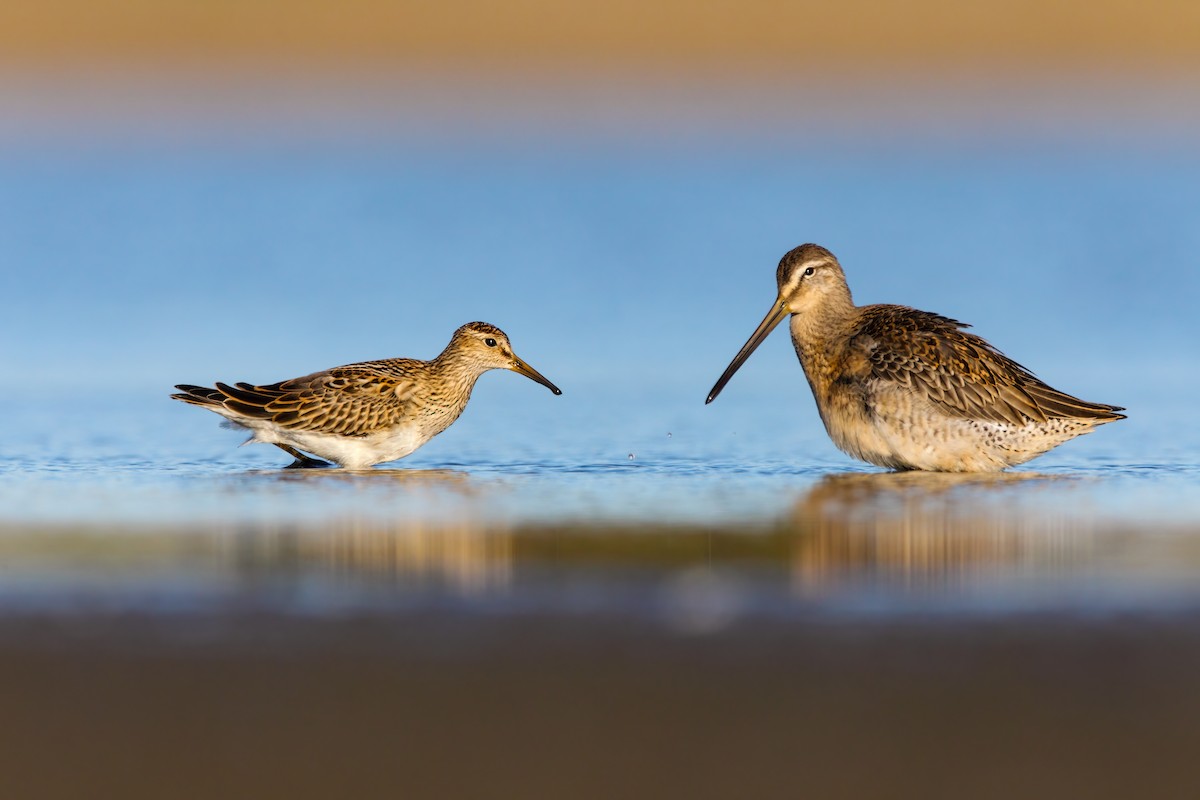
[(366, 413), (907, 389)]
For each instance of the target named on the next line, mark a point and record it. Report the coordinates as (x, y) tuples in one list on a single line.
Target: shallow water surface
[(664, 526)]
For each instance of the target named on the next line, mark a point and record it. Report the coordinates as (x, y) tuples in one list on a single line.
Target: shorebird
[(367, 413), (908, 389)]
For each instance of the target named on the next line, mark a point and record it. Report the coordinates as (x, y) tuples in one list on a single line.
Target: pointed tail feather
[(1060, 404), (198, 395)]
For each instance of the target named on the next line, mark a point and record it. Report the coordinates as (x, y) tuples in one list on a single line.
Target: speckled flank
[(370, 412), (907, 389)]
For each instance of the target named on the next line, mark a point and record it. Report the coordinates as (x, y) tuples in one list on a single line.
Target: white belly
[(905, 432), (351, 452)]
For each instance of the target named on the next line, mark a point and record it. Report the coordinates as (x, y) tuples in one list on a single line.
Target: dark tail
[(243, 399), (198, 395)]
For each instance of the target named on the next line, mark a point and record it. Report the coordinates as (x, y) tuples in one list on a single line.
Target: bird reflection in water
[(933, 530), (913, 530), (434, 544), (448, 478)]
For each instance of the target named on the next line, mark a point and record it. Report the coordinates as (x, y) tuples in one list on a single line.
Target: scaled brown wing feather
[(349, 401), (959, 371)]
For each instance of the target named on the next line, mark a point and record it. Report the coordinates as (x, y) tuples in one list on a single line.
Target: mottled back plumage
[(353, 400), (958, 371)]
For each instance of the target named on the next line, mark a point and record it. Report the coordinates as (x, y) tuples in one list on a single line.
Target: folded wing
[(960, 372), (354, 400)]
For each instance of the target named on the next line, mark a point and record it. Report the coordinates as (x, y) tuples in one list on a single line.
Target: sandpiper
[(366, 413), (907, 389)]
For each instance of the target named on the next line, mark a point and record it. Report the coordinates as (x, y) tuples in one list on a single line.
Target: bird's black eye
[(809, 271), (490, 342)]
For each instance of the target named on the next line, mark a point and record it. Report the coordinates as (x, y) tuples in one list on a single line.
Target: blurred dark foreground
[(885, 635), (452, 704)]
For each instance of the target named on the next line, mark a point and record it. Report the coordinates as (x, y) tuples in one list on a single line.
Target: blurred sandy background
[(843, 37), (602, 67)]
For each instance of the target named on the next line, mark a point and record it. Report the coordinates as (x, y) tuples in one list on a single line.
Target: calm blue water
[(628, 273)]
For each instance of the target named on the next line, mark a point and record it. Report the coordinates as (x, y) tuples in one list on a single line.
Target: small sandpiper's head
[(487, 347), (809, 278)]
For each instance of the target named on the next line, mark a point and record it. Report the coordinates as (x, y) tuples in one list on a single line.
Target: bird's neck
[(456, 370), (818, 336), (814, 328), (453, 378)]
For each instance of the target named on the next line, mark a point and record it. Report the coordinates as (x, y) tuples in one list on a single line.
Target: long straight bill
[(773, 318), (531, 373)]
